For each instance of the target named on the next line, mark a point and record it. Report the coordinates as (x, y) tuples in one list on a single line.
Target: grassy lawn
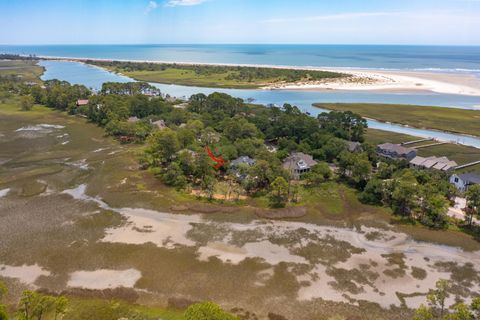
[(375, 136), (23, 69), (475, 168), (190, 78), (11, 106), (446, 119)]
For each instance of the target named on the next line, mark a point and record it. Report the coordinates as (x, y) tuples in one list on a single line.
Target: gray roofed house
[(417, 161), (429, 163), (235, 166), (396, 151), (160, 124), (465, 180), (354, 146), (298, 163), (446, 166), (242, 160), (442, 163)]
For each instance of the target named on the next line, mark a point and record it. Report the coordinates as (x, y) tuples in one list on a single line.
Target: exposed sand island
[(392, 80), (348, 79)]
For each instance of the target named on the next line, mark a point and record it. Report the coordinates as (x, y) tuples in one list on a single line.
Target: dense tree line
[(34, 306), (232, 128), (10, 56), (421, 195), (111, 108)]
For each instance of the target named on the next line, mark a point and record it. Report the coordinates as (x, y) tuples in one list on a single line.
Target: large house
[(242, 160), (298, 163), (465, 180), (434, 163), (396, 151), (235, 166)]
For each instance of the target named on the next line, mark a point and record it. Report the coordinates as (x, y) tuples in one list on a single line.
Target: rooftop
[(299, 161), (396, 148), (470, 177), (82, 102), (242, 160), (442, 163), (160, 124), (353, 146)]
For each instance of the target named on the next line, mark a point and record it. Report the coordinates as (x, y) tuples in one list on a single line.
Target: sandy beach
[(360, 79), (393, 80)]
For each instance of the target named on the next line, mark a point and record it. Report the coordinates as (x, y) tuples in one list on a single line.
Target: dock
[(467, 165), (431, 145), (417, 141)]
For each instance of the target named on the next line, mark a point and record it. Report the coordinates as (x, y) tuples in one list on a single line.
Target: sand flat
[(27, 274), (104, 279)]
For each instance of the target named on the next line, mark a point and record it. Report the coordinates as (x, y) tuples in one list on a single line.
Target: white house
[(463, 181)]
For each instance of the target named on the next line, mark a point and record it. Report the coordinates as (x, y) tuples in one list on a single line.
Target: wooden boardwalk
[(467, 165)]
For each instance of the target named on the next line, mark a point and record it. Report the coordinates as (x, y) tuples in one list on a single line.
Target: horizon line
[(239, 43)]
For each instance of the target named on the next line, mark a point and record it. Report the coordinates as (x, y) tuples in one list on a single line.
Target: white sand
[(457, 210), (4, 192), (271, 253), (104, 279), (379, 80), (25, 273), (144, 226), (147, 226)]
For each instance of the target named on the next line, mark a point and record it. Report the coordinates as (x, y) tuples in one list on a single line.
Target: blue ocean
[(441, 58)]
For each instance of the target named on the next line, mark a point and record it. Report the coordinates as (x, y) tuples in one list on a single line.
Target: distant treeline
[(237, 73), (9, 56)]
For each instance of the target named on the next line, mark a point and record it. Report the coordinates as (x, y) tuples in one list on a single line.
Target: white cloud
[(175, 3), (152, 5)]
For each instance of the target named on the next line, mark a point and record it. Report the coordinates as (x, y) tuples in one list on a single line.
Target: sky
[(424, 22)]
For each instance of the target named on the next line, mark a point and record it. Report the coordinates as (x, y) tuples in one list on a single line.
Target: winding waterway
[(93, 77)]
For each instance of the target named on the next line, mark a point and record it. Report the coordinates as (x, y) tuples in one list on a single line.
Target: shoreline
[(360, 79)]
